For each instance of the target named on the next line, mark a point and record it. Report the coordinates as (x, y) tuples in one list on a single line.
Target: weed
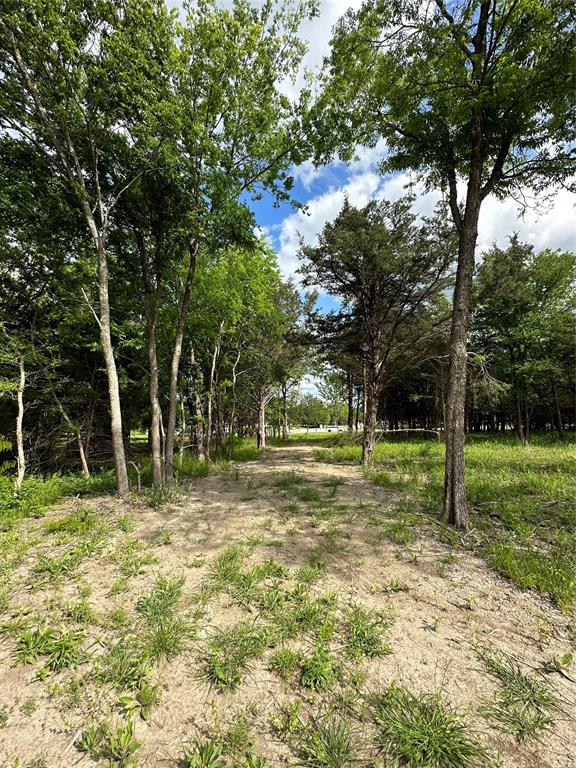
[(4, 716), (319, 670), (284, 662), (364, 633), (229, 654), (523, 705), (142, 702), (116, 745), (124, 665), (310, 574), (424, 733), (287, 722), (29, 706), (204, 755), (328, 743), (395, 585), (131, 556), (167, 638), (237, 740), (162, 600), (82, 522)]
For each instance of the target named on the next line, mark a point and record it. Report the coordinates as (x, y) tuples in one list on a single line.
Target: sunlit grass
[(521, 499)]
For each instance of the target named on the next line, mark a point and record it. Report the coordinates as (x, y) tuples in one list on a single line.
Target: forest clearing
[(287, 384), (276, 608)]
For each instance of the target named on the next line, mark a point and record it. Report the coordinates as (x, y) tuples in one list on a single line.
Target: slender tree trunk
[(182, 430), (455, 511), (370, 415), (558, 411), (285, 429), (197, 401), (122, 483), (261, 431), (233, 408), (175, 364), (150, 309), (20, 457)]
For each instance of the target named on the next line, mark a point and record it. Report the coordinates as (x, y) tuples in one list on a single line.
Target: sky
[(323, 190)]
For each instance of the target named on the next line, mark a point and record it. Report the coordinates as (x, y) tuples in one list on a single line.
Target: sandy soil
[(451, 604)]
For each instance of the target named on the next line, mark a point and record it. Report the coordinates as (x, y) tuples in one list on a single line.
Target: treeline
[(387, 348), (131, 145)]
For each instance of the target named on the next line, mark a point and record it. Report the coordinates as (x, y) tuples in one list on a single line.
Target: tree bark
[(261, 431), (20, 456), (197, 401), (150, 310), (175, 364), (285, 429), (122, 483), (370, 415), (455, 511)]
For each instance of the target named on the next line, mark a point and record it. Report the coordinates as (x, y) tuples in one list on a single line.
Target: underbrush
[(521, 499)]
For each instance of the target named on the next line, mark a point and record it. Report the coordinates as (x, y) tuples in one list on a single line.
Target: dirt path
[(373, 548)]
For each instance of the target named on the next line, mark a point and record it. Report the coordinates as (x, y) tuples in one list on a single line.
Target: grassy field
[(522, 500)]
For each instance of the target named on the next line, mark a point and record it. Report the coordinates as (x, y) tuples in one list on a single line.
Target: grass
[(423, 732), (524, 705), (521, 501), (364, 633), (229, 654), (328, 743)]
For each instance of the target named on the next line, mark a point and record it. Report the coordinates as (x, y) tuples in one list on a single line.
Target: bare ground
[(453, 602)]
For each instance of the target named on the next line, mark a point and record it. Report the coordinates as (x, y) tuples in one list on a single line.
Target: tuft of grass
[(423, 732), (364, 633), (115, 745), (328, 743), (284, 662), (162, 600), (524, 705), (60, 649), (131, 555), (205, 754), (125, 665), (319, 670), (229, 654), (395, 585)]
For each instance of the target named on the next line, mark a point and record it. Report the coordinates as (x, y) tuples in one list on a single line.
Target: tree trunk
[(175, 364), (182, 430), (455, 511), (153, 387), (211, 393), (20, 457), (261, 431), (558, 411), (122, 484), (198, 415), (285, 429), (370, 415)]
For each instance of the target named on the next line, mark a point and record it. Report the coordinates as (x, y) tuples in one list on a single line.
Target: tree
[(476, 94), (522, 322), (75, 89), (387, 272)]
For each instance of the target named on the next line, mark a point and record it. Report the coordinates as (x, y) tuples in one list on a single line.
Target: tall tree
[(387, 271), (476, 96), (77, 81)]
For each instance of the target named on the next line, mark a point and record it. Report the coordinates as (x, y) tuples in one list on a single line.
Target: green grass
[(423, 732), (524, 704), (521, 500), (39, 493), (364, 632), (328, 743), (229, 654)]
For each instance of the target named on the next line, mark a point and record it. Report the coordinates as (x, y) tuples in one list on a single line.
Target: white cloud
[(547, 226)]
